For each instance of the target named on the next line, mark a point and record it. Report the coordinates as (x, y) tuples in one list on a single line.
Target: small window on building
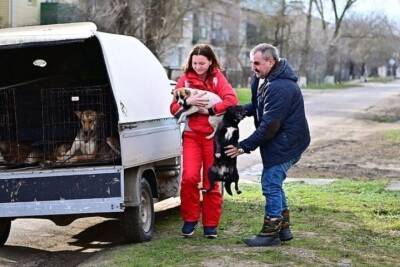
[(251, 34), (218, 36), (200, 30), (32, 2)]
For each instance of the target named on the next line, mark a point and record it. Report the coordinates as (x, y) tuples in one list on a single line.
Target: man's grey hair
[(268, 51)]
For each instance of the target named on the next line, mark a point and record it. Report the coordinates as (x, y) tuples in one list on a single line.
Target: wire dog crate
[(56, 127), (9, 152), (79, 125)]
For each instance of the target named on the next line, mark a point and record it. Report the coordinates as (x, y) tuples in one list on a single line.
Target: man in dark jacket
[(281, 133)]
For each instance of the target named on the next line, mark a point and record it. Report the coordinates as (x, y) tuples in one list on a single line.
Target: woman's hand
[(203, 111), (197, 99)]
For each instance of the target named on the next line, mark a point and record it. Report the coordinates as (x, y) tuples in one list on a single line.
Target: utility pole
[(12, 13)]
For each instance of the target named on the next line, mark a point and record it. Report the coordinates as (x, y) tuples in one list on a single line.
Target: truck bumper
[(61, 192)]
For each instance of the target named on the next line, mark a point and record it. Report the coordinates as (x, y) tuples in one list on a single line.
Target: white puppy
[(181, 94)]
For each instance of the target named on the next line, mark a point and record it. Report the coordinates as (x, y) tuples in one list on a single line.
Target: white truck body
[(149, 136)]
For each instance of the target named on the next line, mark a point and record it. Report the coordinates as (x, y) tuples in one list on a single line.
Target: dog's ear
[(187, 92), (175, 93), (178, 92), (79, 114)]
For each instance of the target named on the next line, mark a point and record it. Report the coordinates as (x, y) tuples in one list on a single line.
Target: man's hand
[(197, 99), (232, 151)]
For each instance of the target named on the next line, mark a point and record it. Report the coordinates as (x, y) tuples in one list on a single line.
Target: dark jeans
[(271, 182)]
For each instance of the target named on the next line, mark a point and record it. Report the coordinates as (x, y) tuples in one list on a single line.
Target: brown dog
[(86, 141), (13, 153)]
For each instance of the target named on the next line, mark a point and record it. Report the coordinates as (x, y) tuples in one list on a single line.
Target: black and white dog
[(224, 168)]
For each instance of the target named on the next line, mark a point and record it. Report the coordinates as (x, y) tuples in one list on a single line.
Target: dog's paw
[(217, 155), (62, 157)]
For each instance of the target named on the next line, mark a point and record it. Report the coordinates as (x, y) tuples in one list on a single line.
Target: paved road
[(41, 243), (327, 108), (324, 109)]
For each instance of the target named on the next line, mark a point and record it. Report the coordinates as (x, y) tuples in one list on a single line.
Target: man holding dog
[(281, 133)]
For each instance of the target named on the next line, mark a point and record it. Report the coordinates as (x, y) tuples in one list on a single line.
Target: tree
[(372, 40), (151, 21), (306, 47), (332, 49), (320, 8)]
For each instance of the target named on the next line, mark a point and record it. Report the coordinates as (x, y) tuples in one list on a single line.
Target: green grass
[(244, 95), (380, 79), (393, 136), (331, 86), (354, 221)]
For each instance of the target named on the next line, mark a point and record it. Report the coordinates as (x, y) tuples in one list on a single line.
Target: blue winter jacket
[(278, 108)]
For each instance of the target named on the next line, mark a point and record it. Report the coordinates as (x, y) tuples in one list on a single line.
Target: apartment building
[(14, 13), (229, 26), (216, 23)]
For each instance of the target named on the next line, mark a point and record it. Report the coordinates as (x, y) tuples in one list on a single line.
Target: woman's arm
[(226, 92), (175, 107)]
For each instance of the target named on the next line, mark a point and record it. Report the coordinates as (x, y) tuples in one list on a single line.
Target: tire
[(138, 222), (5, 226)]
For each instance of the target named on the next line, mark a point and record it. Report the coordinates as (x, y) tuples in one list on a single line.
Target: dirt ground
[(356, 147)]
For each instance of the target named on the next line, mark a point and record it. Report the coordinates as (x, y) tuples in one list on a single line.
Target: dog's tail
[(212, 176), (211, 135)]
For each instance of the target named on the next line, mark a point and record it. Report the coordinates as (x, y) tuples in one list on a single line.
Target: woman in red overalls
[(201, 71)]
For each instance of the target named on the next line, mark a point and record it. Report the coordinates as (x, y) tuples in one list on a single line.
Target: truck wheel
[(138, 222), (5, 226)]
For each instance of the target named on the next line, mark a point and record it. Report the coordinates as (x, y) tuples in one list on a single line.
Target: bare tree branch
[(320, 8), (306, 46)]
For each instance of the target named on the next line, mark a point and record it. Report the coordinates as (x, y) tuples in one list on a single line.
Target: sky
[(391, 8)]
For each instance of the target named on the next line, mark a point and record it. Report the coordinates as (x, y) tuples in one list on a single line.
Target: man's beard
[(259, 75)]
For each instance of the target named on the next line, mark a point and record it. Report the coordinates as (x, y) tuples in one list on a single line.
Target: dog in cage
[(86, 143), (17, 153)]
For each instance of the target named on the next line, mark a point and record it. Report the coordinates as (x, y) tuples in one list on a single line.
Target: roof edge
[(47, 33)]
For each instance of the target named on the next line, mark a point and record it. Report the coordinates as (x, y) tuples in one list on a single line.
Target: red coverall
[(198, 152)]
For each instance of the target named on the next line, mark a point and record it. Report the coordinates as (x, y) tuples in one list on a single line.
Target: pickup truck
[(60, 83)]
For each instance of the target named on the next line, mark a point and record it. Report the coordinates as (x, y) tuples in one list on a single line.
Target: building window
[(32, 2), (219, 35), (251, 34), (200, 31)]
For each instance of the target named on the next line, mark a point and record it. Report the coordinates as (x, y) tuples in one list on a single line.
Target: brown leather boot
[(268, 236), (285, 234)]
